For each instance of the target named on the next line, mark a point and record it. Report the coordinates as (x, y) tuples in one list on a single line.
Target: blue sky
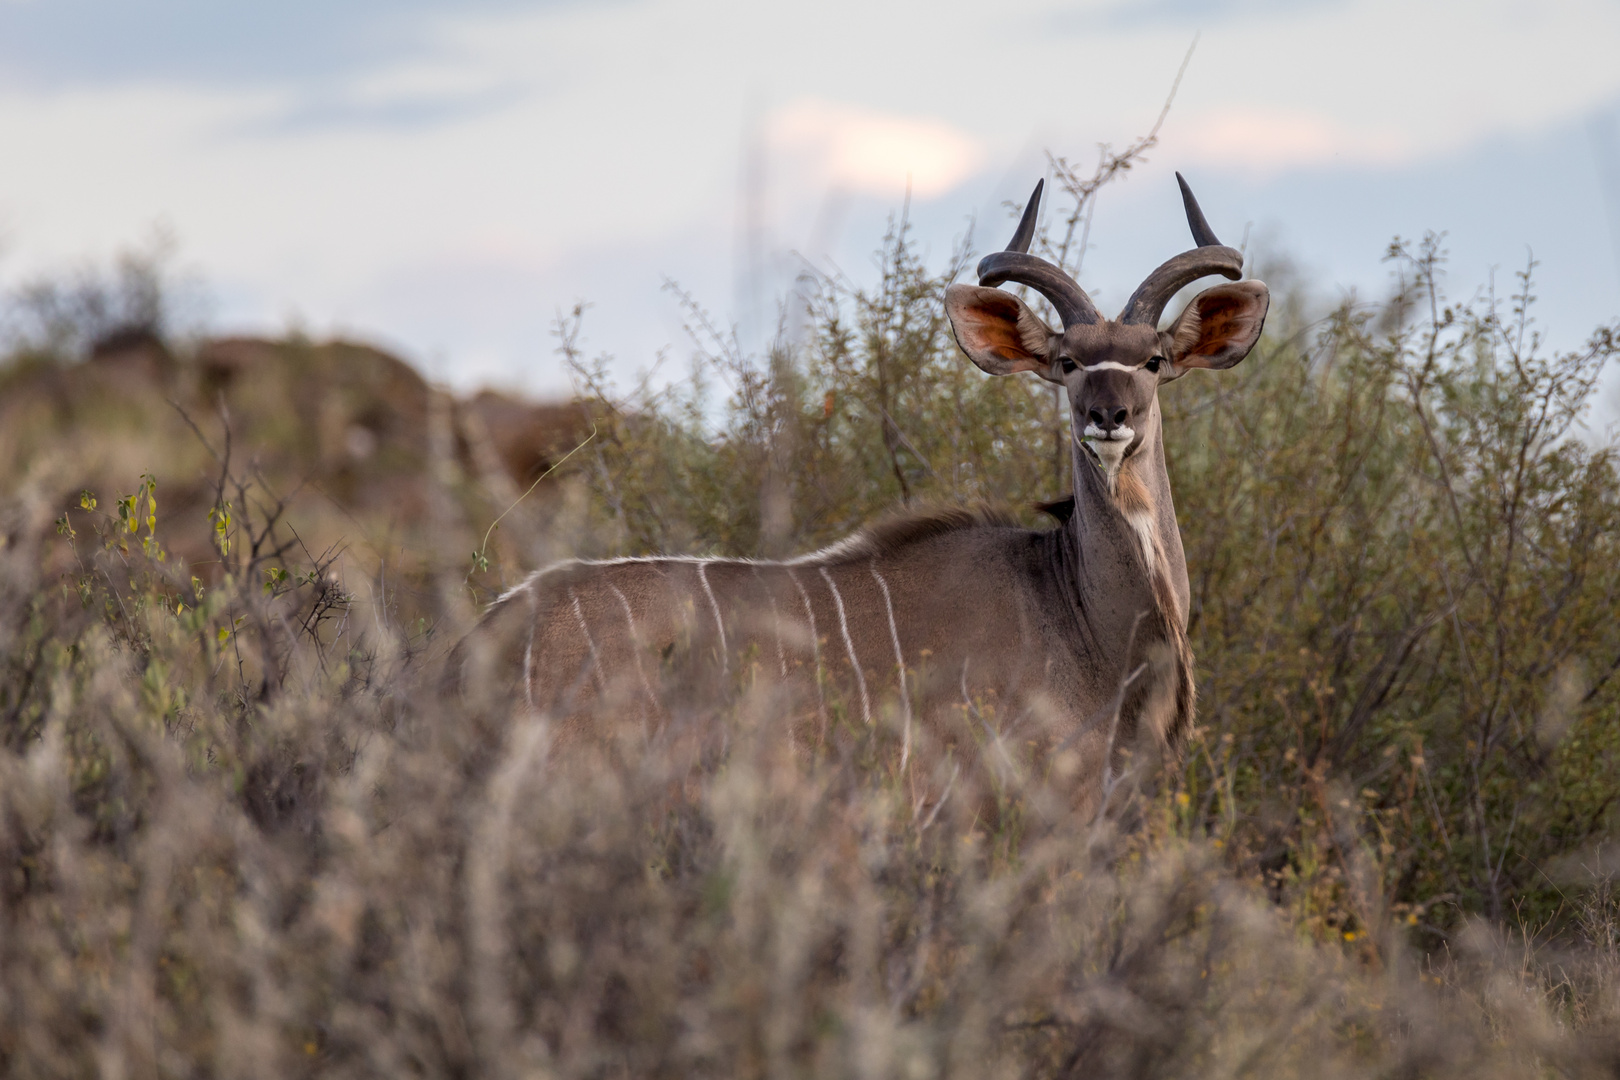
[(444, 177)]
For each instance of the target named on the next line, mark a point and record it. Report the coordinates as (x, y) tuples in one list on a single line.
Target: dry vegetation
[(241, 834)]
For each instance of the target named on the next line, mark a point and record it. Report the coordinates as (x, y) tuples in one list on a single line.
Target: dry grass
[(242, 839), (242, 834), (347, 876)]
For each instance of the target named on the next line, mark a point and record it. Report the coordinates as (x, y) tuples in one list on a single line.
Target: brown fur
[(1130, 493), (1132, 496), (891, 534)]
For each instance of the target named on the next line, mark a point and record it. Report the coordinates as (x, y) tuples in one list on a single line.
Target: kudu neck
[(1125, 530)]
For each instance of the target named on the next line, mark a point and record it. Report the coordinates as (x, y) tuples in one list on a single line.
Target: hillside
[(400, 477)]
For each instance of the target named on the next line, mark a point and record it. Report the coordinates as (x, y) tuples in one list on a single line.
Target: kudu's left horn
[(1211, 256), (1017, 264)]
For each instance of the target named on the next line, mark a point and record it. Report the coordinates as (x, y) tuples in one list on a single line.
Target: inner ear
[(1220, 326), (998, 332)]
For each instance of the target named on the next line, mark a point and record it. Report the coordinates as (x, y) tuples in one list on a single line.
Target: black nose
[(1098, 417)]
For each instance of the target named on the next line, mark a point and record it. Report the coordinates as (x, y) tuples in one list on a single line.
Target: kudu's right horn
[(1017, 264), (1211, 256)]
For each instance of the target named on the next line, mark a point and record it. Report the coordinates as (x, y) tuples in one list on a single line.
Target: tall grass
[(242, 834)]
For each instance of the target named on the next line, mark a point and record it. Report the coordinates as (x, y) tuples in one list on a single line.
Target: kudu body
[(956, 625)]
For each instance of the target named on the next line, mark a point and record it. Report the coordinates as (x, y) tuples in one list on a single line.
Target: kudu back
[(955, 629)]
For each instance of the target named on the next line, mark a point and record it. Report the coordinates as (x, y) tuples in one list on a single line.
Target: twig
[(479, 557)]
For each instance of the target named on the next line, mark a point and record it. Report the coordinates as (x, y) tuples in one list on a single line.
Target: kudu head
[(1111, 368)]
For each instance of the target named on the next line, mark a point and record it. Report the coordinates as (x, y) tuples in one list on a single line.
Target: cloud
[(394, 112), (1264, 141), (53, 44), (1189, 16), (861, 150), (1196, 13)]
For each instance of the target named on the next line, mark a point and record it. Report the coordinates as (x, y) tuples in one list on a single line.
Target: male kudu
[(951, 621)]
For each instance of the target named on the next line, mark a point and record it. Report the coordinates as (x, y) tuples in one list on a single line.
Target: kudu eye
[(1153, 364), (1067, 365)]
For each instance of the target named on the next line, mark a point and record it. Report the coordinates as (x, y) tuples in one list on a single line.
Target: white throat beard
[(1109, 450)]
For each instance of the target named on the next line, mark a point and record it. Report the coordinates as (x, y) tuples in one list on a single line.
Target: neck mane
[(1133, 574)]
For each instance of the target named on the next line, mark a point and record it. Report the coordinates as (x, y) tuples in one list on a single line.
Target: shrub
[(1402, 558), (242, 834)]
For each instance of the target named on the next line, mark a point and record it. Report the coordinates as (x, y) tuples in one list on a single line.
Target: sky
[(445, 178)]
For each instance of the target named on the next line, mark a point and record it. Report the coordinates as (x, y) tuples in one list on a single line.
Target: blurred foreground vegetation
[(242, 835)]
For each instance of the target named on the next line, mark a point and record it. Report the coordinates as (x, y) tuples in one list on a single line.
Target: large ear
[(1220, 326), (998, 332)]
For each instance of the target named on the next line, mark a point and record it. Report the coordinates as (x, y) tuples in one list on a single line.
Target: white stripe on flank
[(596, 660), (528, 664), (725, 650), (900, 664), (815, 645), (776, 621), (635, 641), (849, 646)]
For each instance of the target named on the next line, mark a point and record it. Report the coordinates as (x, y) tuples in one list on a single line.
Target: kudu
[(952, 621)]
